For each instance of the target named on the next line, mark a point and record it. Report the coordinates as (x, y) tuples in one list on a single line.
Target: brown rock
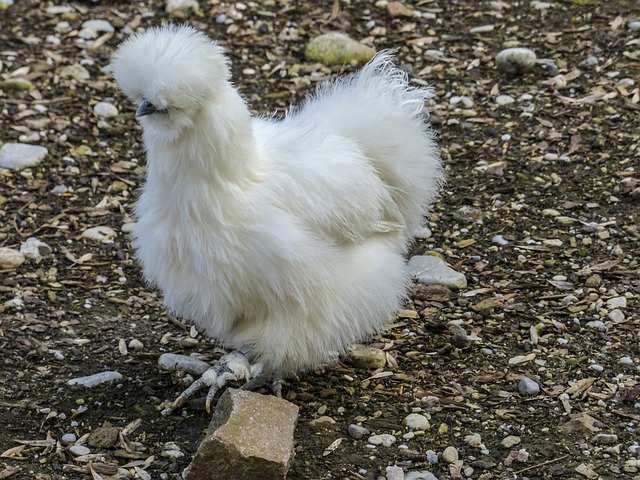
[(399, 9), (367, 357), (580, 423), (104, 437), (250, 437)]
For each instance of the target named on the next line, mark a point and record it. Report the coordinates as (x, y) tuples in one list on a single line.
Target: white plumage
[(285, 236)]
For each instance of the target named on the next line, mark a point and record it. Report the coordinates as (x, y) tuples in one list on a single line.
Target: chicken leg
[(230, 367)]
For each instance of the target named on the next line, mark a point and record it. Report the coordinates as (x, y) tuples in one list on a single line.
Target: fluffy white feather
[(287, 235)]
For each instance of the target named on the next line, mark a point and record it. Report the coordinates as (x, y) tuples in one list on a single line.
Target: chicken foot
[(230, 367)]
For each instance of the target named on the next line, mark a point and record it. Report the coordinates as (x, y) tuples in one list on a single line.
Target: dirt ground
[(541, 212)]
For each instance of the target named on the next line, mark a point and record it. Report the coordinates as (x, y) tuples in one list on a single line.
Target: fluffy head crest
[(172, 67)]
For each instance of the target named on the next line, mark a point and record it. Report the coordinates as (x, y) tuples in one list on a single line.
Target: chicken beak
[(145, 108)]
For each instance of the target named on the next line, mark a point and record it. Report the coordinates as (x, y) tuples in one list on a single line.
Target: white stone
[(99, 234), (33, 248), (482, 29), (617, 302), (68, 438), (431, 270), (500, 240), (394, 473), (96, 379), (633, 26), (10, 258), (450, 455), (384, 439), (105, 109), (514, 61), (416, 421), (16, 156), (502, 100), (98, 26), (173, 5), (136, 345), (625, 361), (616, 316), (420, 475), (357, 431)]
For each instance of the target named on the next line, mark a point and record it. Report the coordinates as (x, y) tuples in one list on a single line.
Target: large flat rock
[(250, 437)]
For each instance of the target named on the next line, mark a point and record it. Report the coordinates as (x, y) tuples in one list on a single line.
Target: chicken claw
[(231, 367)]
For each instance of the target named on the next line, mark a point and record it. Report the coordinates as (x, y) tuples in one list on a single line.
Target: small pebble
[(633, 26), (136, 345), (68, 438), (605, 439), (384, 440), (474, 440), (590, 62), (510, 441), (616, 316), (357, 431), (617, 302), (625, 361), (10, 258), (526, 386), (96, 379), (394, 473), (323, 420), (500, 240), (432, 457), (79, 450), (418, 475), (596, 367), (597, 325), (105, 109), (504, 100), (515, 61), (523, 456), (416, 421), (450, 455)]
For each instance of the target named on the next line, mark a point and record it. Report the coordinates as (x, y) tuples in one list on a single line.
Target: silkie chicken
[(281, 238)]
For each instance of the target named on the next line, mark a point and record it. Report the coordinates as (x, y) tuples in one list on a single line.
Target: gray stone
[(250, 436), (10, 258), (633, 26), (515, 61), (16, 156), (526, 386), (68, 438), (605, 439), (579, 423), (432, 457), (616, 315), (335, 48), (430, 270), (78, 450), (357, 431), (96, 379), (504, 100), (366, 357), (172, 361)]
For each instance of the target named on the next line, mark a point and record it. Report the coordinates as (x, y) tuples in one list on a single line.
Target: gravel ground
[(531, 371)]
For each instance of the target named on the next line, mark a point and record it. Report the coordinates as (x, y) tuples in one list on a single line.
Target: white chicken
[(282, 238)]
